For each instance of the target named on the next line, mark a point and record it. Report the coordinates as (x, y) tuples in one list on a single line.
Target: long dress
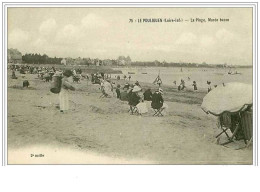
[(64, 99), (108, 89), (142, 107), (64, 94)]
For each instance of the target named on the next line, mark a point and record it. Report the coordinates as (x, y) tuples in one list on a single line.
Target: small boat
[(131, 72), (236, 73)]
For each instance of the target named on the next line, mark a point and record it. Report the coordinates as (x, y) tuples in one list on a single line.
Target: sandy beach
[(101, 131)]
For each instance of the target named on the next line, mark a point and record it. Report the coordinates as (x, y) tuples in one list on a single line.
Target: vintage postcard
[(130, 84)]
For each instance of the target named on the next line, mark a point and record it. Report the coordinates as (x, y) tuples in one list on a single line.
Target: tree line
[(32, 58)]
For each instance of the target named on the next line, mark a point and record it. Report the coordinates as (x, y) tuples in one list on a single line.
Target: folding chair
[(103, 93), (225, 121), (158, 112), (133, 109)]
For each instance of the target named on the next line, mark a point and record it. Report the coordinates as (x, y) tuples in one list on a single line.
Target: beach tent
[(231, 103)]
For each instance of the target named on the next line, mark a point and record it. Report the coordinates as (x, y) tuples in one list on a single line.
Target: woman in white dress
[(64, 92)]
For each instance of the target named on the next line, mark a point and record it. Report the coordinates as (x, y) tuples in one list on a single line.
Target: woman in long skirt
[(64, 92)]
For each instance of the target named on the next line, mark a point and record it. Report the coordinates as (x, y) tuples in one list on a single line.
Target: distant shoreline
[(192, 67), (134, 66)]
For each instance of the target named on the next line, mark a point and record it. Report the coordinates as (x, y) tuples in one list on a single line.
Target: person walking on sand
[(64, 92)]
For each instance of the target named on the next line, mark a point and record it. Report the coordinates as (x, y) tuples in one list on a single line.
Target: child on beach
[(195, 86), (118, 95), (13, 74), (209, 86)]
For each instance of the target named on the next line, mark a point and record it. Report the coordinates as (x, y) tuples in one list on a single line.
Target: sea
[(201, 75)]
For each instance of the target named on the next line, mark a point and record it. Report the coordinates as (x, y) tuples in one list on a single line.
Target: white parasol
[(233, 97)]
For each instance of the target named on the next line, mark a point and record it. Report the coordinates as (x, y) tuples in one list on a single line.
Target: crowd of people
[(134, 94)]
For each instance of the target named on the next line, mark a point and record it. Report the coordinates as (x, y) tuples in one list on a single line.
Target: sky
[(106, 33)]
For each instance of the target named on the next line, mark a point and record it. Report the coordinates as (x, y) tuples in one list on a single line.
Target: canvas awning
[(233, 97)]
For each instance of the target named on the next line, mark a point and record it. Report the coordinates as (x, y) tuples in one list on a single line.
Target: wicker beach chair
[(247, 126)]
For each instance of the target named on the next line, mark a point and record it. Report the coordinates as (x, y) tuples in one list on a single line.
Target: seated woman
[(106, 88), (134, 98), (124, 95), (157, 99), (148, 95)]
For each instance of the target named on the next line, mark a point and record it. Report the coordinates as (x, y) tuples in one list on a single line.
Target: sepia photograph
[(130, 85)]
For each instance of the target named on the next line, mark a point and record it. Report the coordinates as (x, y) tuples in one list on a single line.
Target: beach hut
[(232, 103)]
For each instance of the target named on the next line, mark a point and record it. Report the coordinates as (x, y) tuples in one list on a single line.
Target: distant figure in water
[(182, 85), (209, 86), (194, 85), (129, 77), (174, 82)]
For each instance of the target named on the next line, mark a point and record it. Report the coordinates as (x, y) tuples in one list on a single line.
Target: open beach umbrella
[(233, 97)]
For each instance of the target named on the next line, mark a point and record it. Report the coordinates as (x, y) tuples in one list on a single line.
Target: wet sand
[(101, 131)]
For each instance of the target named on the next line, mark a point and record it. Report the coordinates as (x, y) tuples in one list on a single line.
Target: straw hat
[(136, 89)]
